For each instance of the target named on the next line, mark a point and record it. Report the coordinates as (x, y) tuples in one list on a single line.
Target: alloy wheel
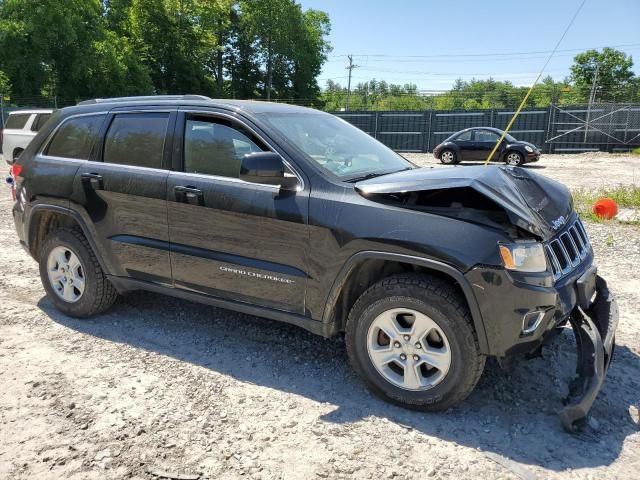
[(447, 156), (408, 349), (66, 274), (513, 159)]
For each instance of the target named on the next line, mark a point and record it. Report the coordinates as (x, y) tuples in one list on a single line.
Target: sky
[(431, 43)]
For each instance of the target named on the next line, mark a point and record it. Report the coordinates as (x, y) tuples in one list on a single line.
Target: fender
[(448, 270), (88, 233)]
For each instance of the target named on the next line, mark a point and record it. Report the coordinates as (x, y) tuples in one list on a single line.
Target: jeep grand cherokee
[(293, 214)]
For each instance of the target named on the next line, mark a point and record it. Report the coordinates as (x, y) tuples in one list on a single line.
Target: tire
[(448, 157), (513, 158), (439, 302), (96, 295)]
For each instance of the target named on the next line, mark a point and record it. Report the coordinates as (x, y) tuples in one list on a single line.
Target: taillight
[(16, 170)]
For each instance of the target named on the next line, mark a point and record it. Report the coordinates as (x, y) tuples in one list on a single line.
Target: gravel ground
[(163, 387)]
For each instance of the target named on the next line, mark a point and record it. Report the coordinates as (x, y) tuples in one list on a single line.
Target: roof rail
[(143, 99)]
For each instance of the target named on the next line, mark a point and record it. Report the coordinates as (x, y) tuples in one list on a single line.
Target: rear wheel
[(448, 157), (411, 340), (72, 276), (514, 159)]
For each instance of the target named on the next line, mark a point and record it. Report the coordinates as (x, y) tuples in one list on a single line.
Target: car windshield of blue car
[(336, 145)]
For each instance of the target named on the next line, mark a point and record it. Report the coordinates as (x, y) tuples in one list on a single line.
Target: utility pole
[(350, 68), (592, 99)]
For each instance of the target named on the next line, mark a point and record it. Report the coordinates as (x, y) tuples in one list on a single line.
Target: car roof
[(21, 112), (250, 106)]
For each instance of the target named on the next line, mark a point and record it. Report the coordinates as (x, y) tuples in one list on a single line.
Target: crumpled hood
[(533, 202)]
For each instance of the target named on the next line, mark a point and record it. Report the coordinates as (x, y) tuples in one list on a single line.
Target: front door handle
[(94, 179), (189, 194)]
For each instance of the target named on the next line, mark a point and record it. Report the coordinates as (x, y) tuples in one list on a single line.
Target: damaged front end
[(523, 298), (594, 325)]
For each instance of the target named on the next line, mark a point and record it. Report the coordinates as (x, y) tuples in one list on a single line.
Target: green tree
[(5, 85), (614, 75)]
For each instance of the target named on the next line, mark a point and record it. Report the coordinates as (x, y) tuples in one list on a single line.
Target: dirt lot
[(160, 386)]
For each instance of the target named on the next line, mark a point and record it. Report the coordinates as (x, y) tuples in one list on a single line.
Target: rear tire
[(448, 157), (72, 276), (416, 304)]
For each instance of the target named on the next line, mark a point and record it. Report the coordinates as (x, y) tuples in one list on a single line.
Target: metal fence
[(556, 129)]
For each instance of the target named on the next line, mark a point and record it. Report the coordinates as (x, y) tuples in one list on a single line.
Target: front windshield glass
[(335, 145)]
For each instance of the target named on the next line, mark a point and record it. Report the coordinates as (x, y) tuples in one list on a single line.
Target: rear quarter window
[(76, 137), (17, 121)]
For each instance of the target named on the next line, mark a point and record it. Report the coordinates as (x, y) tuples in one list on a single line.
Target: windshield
[(336, 146)]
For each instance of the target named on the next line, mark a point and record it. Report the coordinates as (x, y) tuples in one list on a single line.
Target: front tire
[(410, 338), (448, 157), (515, 159), (72, 276)]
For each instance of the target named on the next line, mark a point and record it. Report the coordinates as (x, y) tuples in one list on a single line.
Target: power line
[(440, 55)]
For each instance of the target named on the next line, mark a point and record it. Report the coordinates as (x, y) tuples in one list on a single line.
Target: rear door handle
[(189, 194), (94, 179)]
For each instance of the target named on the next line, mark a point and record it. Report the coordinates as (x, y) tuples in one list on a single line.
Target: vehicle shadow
[(509, 414)]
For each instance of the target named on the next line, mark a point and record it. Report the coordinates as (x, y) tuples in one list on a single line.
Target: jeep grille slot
[(567, 250)]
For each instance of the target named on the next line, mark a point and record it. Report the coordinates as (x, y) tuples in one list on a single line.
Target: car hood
[(533, 202)]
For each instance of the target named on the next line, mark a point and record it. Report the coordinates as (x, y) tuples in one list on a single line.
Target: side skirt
[(314, 326)]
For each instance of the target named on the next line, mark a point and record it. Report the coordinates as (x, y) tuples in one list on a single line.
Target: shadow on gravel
[(509, 414)]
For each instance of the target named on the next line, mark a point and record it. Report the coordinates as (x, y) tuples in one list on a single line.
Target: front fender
[(441, 267)]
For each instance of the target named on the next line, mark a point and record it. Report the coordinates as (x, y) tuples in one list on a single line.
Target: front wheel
[(515, 159), (448, 157), (72, 276), (411, 339)]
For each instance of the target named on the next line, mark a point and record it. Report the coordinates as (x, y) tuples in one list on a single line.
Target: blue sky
[(397, 31)]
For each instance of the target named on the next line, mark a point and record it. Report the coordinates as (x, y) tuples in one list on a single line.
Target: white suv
[(20, 128)]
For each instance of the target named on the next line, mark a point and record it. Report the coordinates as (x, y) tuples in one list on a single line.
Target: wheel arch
[(365, 268), (45, 218)]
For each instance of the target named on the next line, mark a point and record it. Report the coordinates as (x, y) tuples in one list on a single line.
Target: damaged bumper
[(594, 325)]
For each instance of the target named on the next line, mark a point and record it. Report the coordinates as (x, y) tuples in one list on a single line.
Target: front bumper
[(594, 329), (506, 302)]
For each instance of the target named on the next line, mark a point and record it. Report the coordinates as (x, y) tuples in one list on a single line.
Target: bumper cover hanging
[(594, 325)]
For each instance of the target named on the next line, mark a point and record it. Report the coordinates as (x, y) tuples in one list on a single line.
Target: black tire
[(512, 153), (446, 154), (99, 294), (444, 304)]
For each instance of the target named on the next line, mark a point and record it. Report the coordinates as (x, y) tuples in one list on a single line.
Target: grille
[(568, 249)]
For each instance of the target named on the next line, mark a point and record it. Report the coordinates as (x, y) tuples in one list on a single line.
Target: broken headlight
[(523, 257)]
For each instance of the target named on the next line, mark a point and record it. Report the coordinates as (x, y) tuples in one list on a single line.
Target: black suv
[(293, 214)]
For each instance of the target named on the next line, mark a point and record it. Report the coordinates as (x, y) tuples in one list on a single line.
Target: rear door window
[(40, 120), (17, 121), (76, 137), (136, 139)]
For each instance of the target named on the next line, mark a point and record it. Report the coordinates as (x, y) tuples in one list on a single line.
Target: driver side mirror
[(267, 168)]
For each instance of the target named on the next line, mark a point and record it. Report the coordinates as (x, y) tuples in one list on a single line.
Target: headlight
[(523, 257), (528, 148)]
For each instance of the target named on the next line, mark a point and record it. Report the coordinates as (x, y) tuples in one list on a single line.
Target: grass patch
[(636, 151), (624, 196)]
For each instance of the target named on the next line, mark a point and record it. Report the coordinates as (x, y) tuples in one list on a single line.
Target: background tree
[(5, 85), (614, 74)]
